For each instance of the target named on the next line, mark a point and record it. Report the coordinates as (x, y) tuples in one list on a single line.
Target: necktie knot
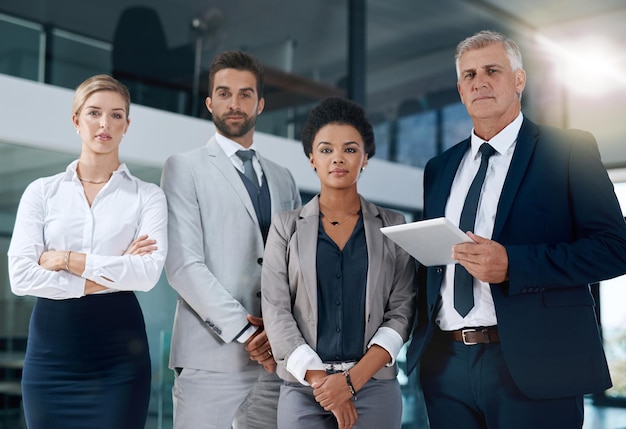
[(245, 155), (486, 150)]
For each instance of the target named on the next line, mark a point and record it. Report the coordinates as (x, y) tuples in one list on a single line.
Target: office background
[(393, 56)]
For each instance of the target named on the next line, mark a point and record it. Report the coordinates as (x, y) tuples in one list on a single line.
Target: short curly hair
[(337, 110)]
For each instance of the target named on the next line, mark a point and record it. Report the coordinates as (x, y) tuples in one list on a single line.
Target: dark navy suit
[(562, 228)]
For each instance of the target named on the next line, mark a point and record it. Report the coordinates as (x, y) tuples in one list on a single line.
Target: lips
[(103, 136), (482, 98)]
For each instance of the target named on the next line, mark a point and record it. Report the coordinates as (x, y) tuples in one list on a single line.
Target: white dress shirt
[(54, 214), (304, 358), (483, 313), (230, 148)]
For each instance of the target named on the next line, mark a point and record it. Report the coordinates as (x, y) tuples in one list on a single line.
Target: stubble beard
[(234, 131)]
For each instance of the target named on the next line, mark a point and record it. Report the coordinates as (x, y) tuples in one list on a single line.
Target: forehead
[(106, 99), (234, 79), (490, 55), (338, 133)]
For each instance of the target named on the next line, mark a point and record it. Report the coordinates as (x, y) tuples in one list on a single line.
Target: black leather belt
[(471, 336)]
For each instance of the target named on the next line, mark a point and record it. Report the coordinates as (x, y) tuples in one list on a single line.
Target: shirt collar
[(502, 141), (71, 170), (230, 146)]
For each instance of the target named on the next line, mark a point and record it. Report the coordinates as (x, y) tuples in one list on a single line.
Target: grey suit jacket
[(289, 282), (215, 254)]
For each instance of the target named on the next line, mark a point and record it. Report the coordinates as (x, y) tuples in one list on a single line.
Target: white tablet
[(429, 241)]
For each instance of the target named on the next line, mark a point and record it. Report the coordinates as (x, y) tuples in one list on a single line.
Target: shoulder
[(46, 185), (191, 156)]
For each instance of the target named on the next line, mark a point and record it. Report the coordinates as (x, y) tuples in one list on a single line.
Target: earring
[(77, 131)]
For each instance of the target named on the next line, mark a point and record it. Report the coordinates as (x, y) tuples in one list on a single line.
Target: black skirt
[(87, 364)]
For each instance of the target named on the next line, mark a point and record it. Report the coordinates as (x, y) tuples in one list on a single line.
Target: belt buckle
[(465, 331)]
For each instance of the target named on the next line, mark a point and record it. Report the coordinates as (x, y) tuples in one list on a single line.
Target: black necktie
[(248, 170), (463, 281)]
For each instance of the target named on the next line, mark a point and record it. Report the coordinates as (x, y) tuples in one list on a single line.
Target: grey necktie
[(248, 169), (463, 281)]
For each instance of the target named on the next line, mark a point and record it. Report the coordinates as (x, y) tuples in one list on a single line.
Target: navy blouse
[(341, 285)]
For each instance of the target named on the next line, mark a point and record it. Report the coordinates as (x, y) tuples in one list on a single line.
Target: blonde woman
[(84, 241)]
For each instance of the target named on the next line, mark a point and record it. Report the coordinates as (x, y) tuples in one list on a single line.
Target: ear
[(261, 106), (127, 125), (75, 120), (209, 104), (365, 161), (312, 161), (520, 81)]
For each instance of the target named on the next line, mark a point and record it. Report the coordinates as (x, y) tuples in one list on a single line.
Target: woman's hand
[(346, 415), (331, 391), (53, 260), (141, 246)]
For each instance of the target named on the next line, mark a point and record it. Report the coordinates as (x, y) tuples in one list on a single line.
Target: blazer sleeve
[(401, 303), (596, 247), (276, 297), (185, 265)]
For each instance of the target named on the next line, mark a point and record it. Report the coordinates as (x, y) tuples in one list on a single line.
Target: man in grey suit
[(221, 198)]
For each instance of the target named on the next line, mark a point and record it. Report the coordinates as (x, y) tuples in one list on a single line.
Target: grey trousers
[(378, 404), (214, 400)]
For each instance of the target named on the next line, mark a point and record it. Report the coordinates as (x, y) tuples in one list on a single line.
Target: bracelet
[(350, 385), (67, 261)]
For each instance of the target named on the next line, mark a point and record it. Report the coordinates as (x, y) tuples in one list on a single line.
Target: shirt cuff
[(303, 359), (389, 340), (245, 335)]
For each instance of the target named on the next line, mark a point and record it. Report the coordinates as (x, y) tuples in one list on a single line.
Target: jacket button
[(258, 294), (259, 261)]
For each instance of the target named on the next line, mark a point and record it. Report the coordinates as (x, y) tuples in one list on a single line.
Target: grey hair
[(486, 38)]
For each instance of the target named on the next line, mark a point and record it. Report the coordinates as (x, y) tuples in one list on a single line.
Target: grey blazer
[(289, 282), (215, 254)]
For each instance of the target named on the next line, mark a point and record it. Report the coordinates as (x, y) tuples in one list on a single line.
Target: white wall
[(39, 115)]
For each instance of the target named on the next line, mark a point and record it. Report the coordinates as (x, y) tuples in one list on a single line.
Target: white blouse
[(54, 214)]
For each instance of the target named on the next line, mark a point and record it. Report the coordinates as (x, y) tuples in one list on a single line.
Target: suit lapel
[(274, 184), (220, 161), (526, 141), (375, 252), (308, 226)]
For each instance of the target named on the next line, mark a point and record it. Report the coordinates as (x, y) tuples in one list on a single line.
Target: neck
[(488, 128), (96, 170), (245, 140), (339, 202)]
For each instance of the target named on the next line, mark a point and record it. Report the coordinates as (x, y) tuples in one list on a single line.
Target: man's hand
[(484, 259), (258, 346)]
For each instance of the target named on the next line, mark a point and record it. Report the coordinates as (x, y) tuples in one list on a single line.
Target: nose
[(233, 104), (480, 82), (104, 123)]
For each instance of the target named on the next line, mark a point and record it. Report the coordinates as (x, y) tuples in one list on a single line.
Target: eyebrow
[(345, 143), (486, 66), (246, 89), (98, 107)]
